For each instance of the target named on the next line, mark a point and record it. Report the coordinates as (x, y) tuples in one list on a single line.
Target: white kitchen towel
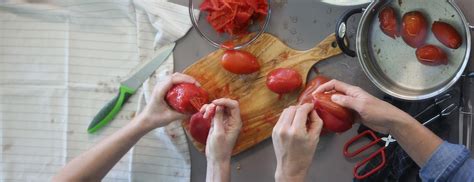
[(60, 62)]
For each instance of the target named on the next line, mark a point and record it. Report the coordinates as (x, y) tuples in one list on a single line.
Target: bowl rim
[(219, 45)]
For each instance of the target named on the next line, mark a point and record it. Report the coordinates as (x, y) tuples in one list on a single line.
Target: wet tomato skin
[(239, 62), (199, 127), (283, 80), (446, 34), (389, 22), (335, 117), (414, 29), (306, 96), (431, 55), (186, 98)]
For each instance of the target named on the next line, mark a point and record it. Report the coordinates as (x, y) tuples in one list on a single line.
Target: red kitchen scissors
[(380, 151)]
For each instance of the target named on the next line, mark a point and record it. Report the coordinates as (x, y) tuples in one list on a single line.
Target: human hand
[(158, 113), (225, 128), (372, 112), (295, 142)]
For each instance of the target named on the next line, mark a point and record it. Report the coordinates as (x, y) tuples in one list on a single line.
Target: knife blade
[(127, 88)]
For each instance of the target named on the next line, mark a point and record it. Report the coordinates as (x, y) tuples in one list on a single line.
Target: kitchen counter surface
[(301, 24)]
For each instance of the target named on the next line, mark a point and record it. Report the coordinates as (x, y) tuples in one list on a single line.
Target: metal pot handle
[(341, 30)]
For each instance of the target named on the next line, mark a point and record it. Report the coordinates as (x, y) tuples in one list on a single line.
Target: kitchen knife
[(128, 88)]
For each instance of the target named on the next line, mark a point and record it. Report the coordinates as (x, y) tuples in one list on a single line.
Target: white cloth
[(60, 62)]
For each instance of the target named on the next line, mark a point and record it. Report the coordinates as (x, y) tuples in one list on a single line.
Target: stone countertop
[(301, 24)]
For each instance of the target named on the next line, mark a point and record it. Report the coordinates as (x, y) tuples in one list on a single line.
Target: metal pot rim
[(381, 86)]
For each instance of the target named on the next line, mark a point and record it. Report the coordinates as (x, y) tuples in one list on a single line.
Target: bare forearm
[(417, 140), (218, 171), (94, 164)]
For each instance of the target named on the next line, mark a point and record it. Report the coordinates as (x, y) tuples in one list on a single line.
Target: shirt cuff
[(444, 161)]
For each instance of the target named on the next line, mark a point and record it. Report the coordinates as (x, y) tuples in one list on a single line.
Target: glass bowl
[(217, 40)]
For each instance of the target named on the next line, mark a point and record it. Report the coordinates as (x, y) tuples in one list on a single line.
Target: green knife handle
[(110, 110)]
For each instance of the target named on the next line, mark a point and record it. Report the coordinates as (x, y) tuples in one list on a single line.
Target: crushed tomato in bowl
[(234, 16)]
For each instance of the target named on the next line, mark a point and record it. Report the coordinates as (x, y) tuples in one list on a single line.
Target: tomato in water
[(239, 62), (186, 98), (414, 29), (306, 96), (446, 34), (335, 117), (389, 22), (431, 55), (283, 80)]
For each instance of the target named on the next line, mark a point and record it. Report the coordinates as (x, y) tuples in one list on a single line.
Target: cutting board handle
[(325, 49)]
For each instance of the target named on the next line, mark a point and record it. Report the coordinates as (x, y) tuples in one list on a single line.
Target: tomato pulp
[(234, 16), (186, 98)]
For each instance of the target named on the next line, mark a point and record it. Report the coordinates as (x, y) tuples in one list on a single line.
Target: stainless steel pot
[(391, 64)]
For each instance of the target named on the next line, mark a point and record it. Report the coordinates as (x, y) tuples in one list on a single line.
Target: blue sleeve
[(449, 162)]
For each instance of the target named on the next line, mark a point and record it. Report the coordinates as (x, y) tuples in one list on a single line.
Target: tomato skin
[(389, 22), (414, 29), (199, 127), (335, 117), (446, 34), (306, 96), (283, 80), (431, 55), (186, 98), (239, 62)]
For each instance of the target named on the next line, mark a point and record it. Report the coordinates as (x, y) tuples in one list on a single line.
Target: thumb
[(345, 101)]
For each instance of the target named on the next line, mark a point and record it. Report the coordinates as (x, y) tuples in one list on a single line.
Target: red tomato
[(389, 22), (414, 29), (283, 80), (431, 55), (306, 96), (199, 127), (335, 117), (186, 98), (234, 16), (239, 62), (446, 34)]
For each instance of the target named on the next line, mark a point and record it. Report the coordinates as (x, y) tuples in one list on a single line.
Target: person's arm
[(225, 129), (295, 142), (449, 162), (418, 141), (95, 163)]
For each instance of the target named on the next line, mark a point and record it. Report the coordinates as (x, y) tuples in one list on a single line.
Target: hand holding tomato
[(295, 141), (372, 112), (225, 128), (186, 98), (307, 95), (336, 118), (157, 111)]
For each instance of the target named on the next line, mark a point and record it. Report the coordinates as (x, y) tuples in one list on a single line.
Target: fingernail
[(335, 98)]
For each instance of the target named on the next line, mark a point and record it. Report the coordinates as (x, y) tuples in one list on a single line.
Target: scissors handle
[(365, 147), (381, 152)]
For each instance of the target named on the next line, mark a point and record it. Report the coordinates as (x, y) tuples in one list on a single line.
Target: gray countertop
[(301, 24)]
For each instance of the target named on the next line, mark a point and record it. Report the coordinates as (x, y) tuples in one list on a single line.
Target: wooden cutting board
[(260, 107)]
